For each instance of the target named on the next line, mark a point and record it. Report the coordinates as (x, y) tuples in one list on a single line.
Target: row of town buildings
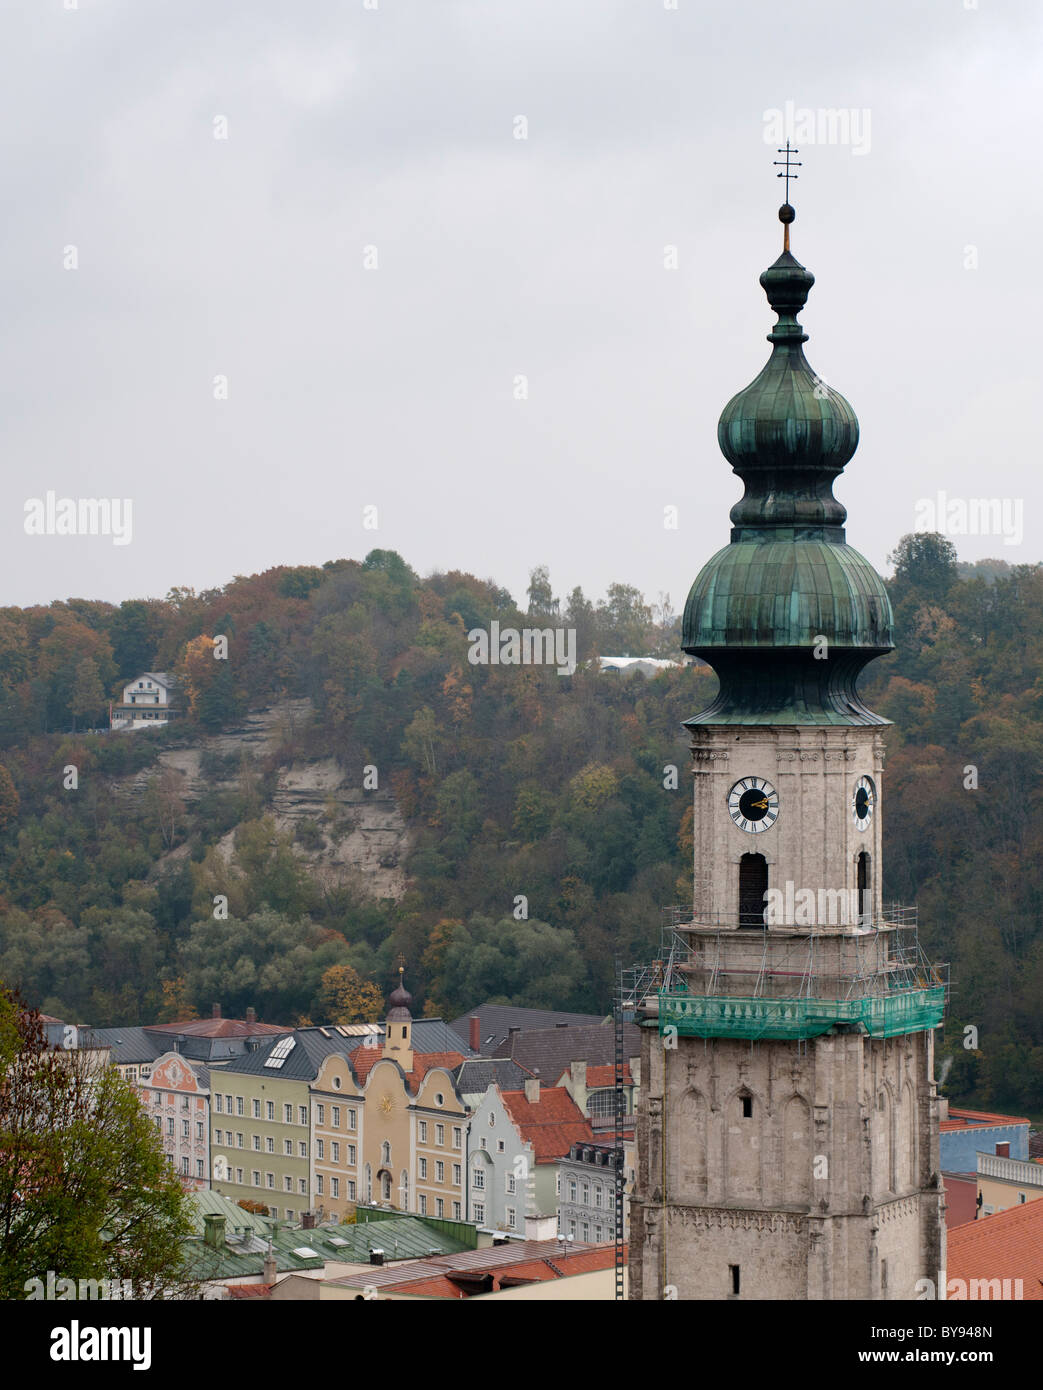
[(487, 1120)]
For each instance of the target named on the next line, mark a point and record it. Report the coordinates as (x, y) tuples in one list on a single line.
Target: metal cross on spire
[(786, 213), (787, 165)]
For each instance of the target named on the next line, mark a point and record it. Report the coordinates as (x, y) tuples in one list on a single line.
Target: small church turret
[(788, 1140), (398, 1027)]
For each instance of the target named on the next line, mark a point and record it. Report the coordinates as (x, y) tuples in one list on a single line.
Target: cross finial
[(786, 213)]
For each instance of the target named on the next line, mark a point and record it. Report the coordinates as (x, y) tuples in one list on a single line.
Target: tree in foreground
[(86, 1191)]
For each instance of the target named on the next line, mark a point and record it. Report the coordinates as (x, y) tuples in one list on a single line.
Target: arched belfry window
[(753, 885), (864, 884)]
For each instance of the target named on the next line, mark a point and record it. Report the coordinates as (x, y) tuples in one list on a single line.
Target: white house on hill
[(146, 704)]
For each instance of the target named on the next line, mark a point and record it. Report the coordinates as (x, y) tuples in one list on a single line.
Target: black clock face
[(753, 805), (862, 803)]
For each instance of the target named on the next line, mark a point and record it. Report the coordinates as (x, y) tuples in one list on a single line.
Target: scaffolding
[(726, 981)]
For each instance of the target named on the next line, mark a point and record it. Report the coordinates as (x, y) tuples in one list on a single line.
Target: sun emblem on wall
[(385, 1104)]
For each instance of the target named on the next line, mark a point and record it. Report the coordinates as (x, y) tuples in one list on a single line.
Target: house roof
[(475, 1075), (551, 1125), (1008, 1245), (219, 1028), (434, 1276), (247, 1238), (474, 1282), (496, 1020), (602, 1076), (364, 1059), (130, 1045), (547, 1052), (974, 1119)]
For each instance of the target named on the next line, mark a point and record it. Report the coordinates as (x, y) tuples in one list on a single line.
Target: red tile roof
[(972, 1119), (454, 1284), (218, 1028), (364, 1059), (249, 1290), (1008, 1245), (551, 1125), (605, 1076)]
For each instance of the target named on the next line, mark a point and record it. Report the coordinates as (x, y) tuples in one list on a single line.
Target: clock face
[(753, 805), (863, 801)]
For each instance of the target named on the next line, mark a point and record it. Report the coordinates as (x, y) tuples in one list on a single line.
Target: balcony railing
[(1016, 1170), (880, 1016)]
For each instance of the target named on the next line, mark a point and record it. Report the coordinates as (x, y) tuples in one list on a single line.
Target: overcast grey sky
[(351, 127)]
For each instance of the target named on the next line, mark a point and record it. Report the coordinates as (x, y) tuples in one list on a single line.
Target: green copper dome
[(788, 614)]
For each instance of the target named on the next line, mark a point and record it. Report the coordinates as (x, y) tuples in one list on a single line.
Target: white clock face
[(753, 805), (863, 801)]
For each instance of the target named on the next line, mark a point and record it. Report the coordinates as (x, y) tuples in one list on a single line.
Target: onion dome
[(788, 614), (399, 1001)]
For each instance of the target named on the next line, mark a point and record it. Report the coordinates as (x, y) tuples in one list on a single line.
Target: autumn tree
[(8, 799), (85, 1188), (345, 997)]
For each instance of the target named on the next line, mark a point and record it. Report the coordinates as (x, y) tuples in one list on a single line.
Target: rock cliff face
[(358, 835)]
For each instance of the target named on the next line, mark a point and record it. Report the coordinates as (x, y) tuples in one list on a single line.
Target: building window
[(320, 1148), (481, 1142), (157, 1099), (269, 1109), (320, 1114), (456, 1174), (184, 1129), (512, 1184), (439, 1171), (170, 1125), (270, 1179), (184, 1166), (287, 1147), (351, 1155), (753, 886), (199, 1129), (257, 1142), (335, 1148), (351, 1118), (500, 1146), (423, 1204), (240, 1108), (423, 1168), (385, 1152), (747, 1110), (287, 1114), (334, 1187), (479, 1212), (238, 1141), (217, 1132), (478, 1179), (598, 1233), (572, 1189), (586, 1194), (302, 1186), (423, 1131), (512, 1217), (439, 1207), (335, 1112), (351, 1190), (597, 1194), (456, 1211), (287, 1183), (239, 1176), (255, 1109), (302, 1114), (302, 1149), (457, 1136), (601, 1104), (256, 1178), (440, 1135), (269, 1144), (735, 1277)]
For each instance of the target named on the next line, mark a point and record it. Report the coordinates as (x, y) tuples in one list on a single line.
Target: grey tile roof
[(131, 1045), (547, 1052), (496, 1020), (476, 1075), (311, 1048)]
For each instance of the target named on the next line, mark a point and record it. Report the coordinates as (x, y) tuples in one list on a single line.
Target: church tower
[(788, 1141)]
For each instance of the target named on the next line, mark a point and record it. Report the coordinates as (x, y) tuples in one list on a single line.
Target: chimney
[(251, 1014), (214, 1229), (541, 1227), (215, 1010), (579, 1073), (476, 1033), (269, 1268), (376, 1257), (943, 1107), (532, 1090)]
